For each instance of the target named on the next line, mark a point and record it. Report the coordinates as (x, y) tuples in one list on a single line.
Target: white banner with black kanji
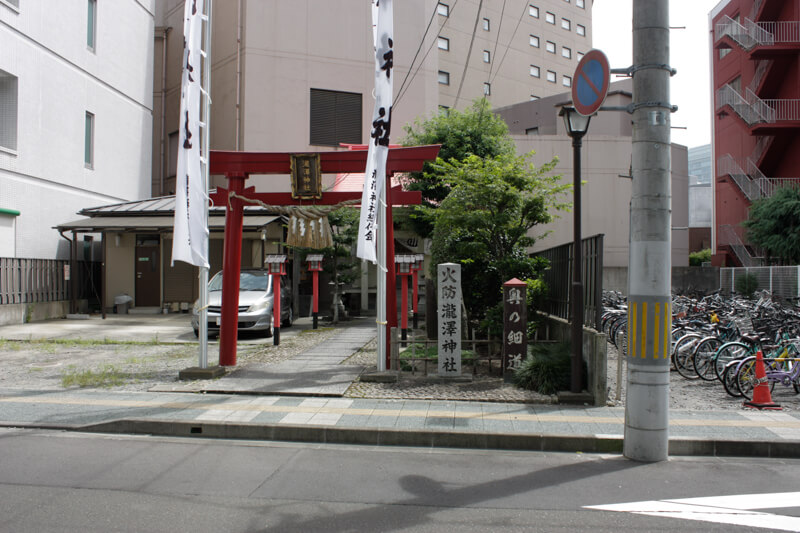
[(190, 241), (375, 174)]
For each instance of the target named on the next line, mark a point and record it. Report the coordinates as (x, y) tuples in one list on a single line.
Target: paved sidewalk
[(394, 422), (253, 403)]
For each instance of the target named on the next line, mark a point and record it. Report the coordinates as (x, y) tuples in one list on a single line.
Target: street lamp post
[(577, 126)]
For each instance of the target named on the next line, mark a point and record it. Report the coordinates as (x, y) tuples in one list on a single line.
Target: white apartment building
[(75, 114)]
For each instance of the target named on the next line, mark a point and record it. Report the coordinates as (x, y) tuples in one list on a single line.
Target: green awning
[(12, 212)]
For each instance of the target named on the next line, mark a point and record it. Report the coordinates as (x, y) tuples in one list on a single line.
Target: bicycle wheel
[(703, 358), (746, 378), (682, 355), (728, 352), (729, 379)]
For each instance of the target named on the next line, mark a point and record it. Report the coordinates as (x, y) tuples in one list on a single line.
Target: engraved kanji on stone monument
[(449, 319), (515, 326)]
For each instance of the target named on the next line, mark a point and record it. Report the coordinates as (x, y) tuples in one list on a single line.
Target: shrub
[(547, 368), (746, 284), (697, 259)]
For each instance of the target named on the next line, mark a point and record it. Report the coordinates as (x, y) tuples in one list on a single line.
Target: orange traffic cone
[(762, 398)]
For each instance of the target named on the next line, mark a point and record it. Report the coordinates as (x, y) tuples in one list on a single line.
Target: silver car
[(255, 303)]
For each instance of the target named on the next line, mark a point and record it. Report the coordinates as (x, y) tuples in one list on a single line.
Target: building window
[(551, 47), (566, 81), (566, 24), (444, 43), (532, 131), (335, 117), (444, 77), (91, 24), (566, 52), (579, 3), (533, 11), (443, 9), (567, 1), (549, 17), (534, 97), (579, 55), (723, 52), (487, 56), (534, 41), (535, 71), (487, 89), (551, 76), (8, 110), (88, 141), (581, 29), (486, 24)]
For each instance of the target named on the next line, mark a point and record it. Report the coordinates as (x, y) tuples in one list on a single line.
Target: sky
[(689, 55)]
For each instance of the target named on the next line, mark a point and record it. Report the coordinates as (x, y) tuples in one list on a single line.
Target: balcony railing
[(753, 110), (750, 34), (749, 178), (761, 70)]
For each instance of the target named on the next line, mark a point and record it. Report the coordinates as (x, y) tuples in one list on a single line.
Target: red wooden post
[(404, 308), (276, 309), (315, 309), (231, 268)]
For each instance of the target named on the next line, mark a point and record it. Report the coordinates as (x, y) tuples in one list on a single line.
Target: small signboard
[(449, 319), (590, 82), (306, 176), (515, 326)]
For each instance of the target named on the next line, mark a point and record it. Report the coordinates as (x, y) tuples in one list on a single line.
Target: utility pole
[(650, 259)]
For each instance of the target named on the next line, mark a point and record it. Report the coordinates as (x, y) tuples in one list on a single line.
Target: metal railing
[(24, 281), (762, 143), (781, 281), (756, 8), (728, 237), (728, 165), (559, 280), (761, 70), (782, 110), (734, 30)]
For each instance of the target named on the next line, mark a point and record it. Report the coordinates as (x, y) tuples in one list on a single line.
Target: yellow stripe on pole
[(632, 334), (667, 328), (657, 324), (643, 354)]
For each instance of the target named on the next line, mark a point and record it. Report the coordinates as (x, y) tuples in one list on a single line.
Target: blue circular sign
[(590, 82)]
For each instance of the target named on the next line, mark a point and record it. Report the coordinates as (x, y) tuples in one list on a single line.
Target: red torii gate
[(237, 167)]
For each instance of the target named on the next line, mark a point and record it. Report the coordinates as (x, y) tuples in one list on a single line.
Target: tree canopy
[(483, 223), (774, 225), (476, 131)]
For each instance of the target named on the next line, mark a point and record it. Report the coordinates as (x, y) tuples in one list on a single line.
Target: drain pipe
[(238, 75), (164, 32)]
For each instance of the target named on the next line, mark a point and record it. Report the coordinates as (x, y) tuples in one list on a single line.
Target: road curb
[(611, 444)]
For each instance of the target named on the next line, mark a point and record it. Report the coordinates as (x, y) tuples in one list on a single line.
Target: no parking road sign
[(590, 82)]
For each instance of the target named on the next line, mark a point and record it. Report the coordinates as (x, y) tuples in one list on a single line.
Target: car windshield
[(248, 281)]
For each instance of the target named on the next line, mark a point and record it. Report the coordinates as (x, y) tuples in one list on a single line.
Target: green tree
[(774, 225), (484, 222), (474, 131)]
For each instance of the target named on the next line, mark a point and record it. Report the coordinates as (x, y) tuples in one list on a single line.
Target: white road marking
[(734, 510)]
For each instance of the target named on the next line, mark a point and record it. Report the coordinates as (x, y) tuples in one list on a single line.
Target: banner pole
[(203, 278)]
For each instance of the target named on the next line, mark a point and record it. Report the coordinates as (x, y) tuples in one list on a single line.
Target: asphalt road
[(53, 481)]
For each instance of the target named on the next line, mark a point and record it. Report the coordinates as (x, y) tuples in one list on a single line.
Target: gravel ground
[(139, 366), (42, 365)]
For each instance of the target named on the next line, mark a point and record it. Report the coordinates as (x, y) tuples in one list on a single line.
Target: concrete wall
[(704, 279), (595, 354), (59, 80), (23, 313)]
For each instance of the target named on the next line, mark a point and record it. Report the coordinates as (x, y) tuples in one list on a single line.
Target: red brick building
[(755, 76)]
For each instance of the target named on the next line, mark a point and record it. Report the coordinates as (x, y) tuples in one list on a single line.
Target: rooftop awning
[(155, 223)]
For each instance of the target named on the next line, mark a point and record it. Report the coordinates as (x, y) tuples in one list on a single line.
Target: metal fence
[(559, 280), (24, 281), (782, 281)]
